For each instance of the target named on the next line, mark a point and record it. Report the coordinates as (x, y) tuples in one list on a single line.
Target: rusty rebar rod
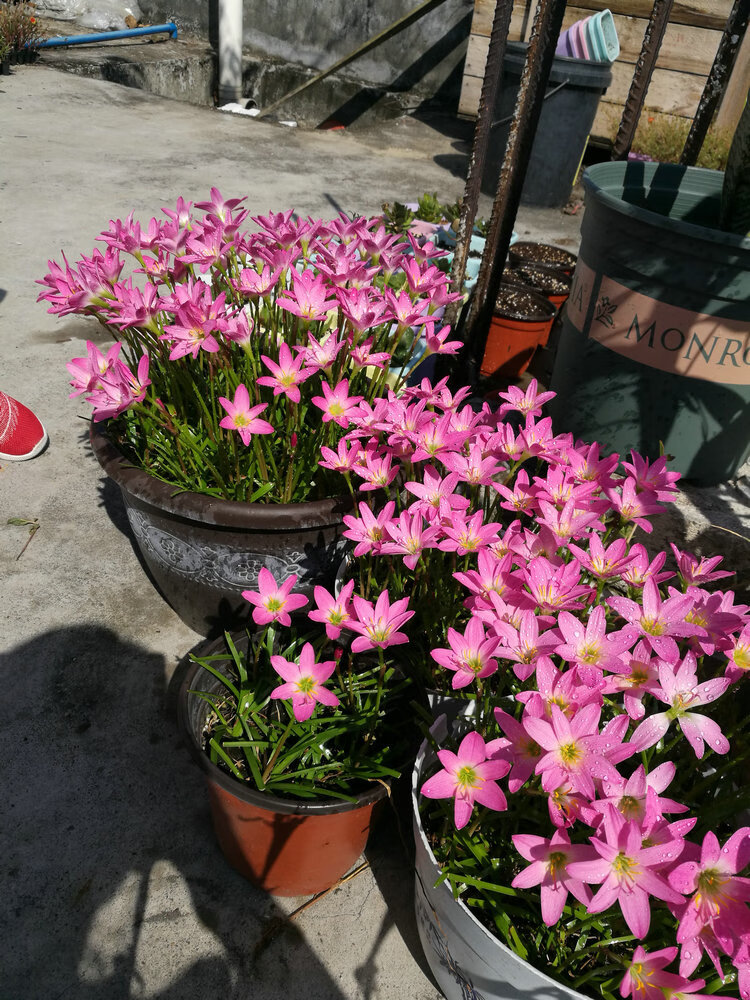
[(490, 86), (644, 69), (536, 70), (717, 80)]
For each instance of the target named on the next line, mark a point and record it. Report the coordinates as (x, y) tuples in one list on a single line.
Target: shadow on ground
[(114, 885)]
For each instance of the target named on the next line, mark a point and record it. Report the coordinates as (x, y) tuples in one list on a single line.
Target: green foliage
[(662, 137), (19, 28), (336, 752)]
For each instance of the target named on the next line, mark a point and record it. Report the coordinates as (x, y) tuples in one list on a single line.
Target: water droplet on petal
[(726, 850)]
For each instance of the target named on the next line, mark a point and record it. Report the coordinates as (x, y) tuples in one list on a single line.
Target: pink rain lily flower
[(575, 749), (549, 860), (308, 298), (242, 417), (603, 563), (336, 403), (468, 777), (718, 895), (517, 747), (528, 403), (645, 976), (464, 535), (286, 376), (379, 625), (697, 571), (273, 602), (304, 682), (333, 611), (639, 797), (555, 588), (369, 529), (681, 691), (658, 621), (631, 505), (470, 654), (628, 872), (638, 675), (408, 537), (641, 567), (589, 646)]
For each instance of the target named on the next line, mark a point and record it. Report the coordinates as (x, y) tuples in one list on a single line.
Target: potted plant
[(521, 321), (239, 355), (584, 832), (300, 730), (546, 255)]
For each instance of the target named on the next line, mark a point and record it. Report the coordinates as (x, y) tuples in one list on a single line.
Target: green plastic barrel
[(655, 339)]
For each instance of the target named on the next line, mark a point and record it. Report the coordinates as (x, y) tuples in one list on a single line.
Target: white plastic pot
[(467, 961)]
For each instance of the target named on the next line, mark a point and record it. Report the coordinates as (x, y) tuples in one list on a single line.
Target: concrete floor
[(113, 886)]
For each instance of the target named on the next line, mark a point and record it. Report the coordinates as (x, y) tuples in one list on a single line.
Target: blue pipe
[(108, 36)]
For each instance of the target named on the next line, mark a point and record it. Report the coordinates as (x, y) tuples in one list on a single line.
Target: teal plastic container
[(655, 338)]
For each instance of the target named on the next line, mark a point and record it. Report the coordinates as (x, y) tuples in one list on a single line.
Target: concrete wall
[(426, 58)]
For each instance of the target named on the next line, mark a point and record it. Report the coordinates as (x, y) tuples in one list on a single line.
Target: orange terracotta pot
[(512, 339), (287, 847)]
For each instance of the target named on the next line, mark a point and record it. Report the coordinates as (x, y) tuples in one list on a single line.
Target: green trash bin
[(655, 339)]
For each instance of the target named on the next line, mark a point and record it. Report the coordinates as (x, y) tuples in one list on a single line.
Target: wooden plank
[(476, 56), (672, 93), (698, 13), (684, 49), (735, 95)]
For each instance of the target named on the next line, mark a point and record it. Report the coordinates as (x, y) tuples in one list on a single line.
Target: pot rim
[(213, 510), (598, 191), (242, 791), (546, 310), (439, 730)]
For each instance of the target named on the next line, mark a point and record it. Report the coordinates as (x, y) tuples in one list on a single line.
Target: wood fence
[(685, 58)]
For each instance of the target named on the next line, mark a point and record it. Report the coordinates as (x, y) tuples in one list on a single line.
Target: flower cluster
[(359, 735), (601, 681), (242, 354)]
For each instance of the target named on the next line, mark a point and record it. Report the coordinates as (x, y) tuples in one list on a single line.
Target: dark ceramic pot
[(287, 847), (202, 552)]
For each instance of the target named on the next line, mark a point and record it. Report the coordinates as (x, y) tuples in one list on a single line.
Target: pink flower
[(334, 611), (304, 682), (631, 505), (379, 625), (285, 376), (604, 563), (368, 530), (242, 417), (681, 691), (697, 571), (308, 298), (589, 645), (555, 587), (549, 859), (344, 459), (336, 404), (645, 978), (273, 603), (640, 569), (463, 536), (408, 537), (528, 403), (518, 748), (470, 654), (628, 872), (718, 894), (658, 621), (468, 777), (575, 750)]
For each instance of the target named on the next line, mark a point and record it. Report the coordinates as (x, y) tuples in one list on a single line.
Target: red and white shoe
[(22, 435)]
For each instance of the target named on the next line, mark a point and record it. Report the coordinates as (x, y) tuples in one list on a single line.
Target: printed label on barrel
[(670, 338), (580, 294)]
